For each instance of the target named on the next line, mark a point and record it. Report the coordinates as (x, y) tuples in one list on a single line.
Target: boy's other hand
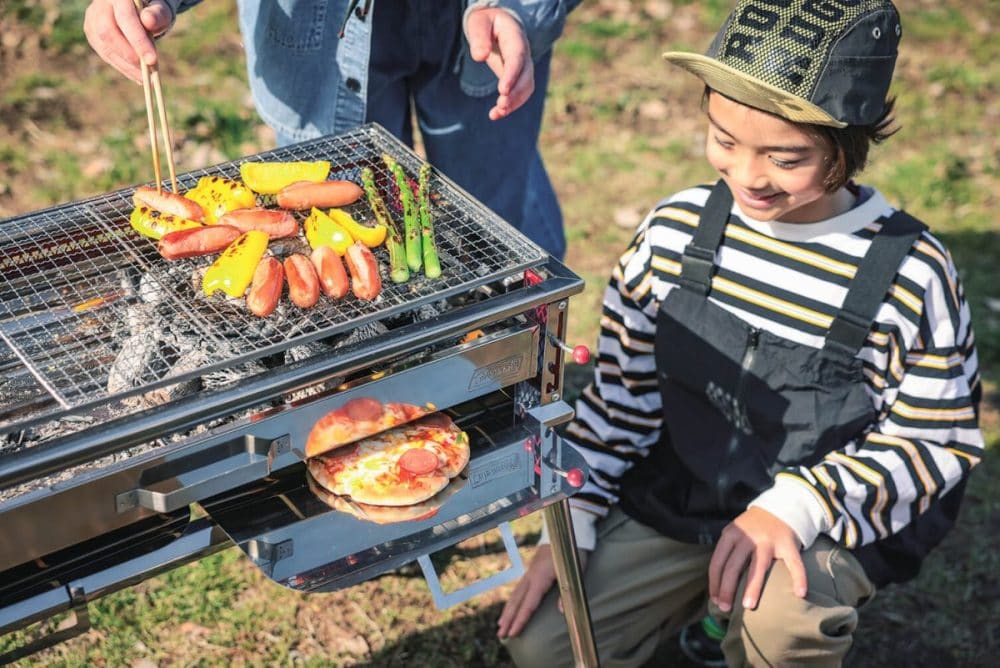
[(753, 541), (528, 593), (498, 39), (121, 36)]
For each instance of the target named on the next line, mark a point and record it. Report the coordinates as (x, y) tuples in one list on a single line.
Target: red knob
[(575, 477), (580, 354)]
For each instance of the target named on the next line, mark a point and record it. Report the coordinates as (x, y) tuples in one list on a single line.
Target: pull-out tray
[(304, 544)]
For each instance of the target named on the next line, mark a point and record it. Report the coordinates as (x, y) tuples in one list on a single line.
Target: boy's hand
[(757, 537), (498, 38), (121, 36), (529, 591)]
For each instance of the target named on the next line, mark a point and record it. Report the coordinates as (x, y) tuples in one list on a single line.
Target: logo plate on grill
[(494, 469), (497, 373)]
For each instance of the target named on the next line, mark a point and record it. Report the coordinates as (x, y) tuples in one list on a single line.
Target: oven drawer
[(302, 543)]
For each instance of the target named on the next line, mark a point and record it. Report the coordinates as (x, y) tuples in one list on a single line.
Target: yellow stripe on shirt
[(872, 477), (923, 473), (904, 409), (774, 304)]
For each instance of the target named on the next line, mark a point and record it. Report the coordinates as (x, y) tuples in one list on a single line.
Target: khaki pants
[(642, 588)]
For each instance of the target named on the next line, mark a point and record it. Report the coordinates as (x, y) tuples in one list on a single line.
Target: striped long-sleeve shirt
[(919, 361)]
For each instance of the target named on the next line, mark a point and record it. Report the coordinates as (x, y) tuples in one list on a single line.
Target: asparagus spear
[(398, 271), (411, 217), (432, 266)]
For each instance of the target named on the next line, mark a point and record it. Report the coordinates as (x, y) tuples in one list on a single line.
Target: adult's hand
[(121, 35), (498, 39), (528, 593), (759, 538)]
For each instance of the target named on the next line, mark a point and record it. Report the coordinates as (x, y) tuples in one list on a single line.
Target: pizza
[(385, 514), (357, 419), (398, 467)]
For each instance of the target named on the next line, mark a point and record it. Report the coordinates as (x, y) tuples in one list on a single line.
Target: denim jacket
[(302, 92)]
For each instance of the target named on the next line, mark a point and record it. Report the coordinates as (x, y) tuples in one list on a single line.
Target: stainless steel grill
[(71, 275), (128, 401)]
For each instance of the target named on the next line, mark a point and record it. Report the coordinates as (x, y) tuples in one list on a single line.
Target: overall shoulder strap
[(698, 260), (872, 280)]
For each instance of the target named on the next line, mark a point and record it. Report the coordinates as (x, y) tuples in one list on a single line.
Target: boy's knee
[(769, 637), (540, 645)]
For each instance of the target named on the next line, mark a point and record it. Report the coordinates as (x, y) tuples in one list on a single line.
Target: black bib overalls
[(740, 403)]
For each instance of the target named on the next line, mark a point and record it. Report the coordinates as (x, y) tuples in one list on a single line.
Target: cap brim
[(749, 90)]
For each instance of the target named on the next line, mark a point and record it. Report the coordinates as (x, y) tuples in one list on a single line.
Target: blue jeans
[(497, 162)]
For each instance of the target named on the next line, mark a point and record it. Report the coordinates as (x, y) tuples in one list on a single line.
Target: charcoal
[(189, 361)]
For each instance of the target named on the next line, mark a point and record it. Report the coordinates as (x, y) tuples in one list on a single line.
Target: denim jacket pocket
[(297, 25), (475, 79)]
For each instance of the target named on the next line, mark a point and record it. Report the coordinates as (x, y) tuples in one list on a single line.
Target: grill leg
[(570, 578)]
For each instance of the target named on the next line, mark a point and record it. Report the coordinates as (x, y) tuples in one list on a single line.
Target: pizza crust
[(385, 514)]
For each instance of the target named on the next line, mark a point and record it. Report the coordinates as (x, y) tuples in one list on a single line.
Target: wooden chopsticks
[(151, 80)]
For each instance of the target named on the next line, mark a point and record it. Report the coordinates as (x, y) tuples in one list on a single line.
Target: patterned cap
[(827, 62)]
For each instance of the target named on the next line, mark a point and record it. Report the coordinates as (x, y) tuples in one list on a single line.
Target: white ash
[(426, 312), (151, 290), (197, 279), (134, 363), (368, 330), (222, 378)]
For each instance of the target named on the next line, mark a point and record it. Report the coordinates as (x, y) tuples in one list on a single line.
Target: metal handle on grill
[(177, 483), (463, 594)]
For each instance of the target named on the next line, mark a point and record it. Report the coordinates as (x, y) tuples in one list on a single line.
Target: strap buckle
[(848, 332), (697, 266)]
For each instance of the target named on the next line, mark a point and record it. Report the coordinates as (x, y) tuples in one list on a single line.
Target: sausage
[(309, 194), (265, 290), (303, 283), (331, 272), (365, 280), (168, 202), (277, 224), (196, 241)]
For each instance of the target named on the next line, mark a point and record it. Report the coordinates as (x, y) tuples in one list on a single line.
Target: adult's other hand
[(498, 39)]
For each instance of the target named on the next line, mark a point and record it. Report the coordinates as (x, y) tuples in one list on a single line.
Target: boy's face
[(773, 167)]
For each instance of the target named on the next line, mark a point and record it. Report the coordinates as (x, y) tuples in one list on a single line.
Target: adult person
[(785, 412), (476, 72)]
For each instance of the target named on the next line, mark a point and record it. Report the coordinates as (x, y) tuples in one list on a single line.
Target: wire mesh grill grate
[(89, 311)]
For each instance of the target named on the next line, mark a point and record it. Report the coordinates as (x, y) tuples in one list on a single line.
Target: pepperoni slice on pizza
[(357, 419), (398, 467)]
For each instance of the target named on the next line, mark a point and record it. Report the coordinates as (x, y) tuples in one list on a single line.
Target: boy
[(784, 410)]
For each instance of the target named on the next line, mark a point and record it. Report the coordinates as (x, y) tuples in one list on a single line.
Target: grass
[(622, 131)]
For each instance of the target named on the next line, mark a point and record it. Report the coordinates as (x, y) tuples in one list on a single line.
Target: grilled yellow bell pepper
[(321, 230), (233, 270), (218, 196), (369, 236), (154, 225)]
